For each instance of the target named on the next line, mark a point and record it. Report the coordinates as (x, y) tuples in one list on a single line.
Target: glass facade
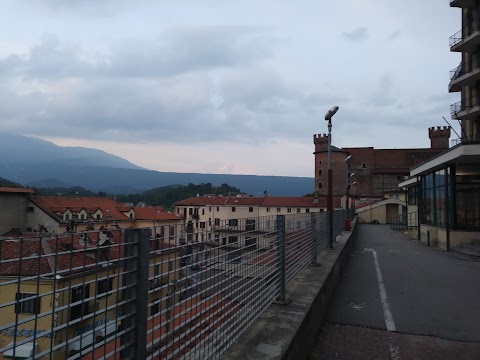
[(468, 200), (433, 198)]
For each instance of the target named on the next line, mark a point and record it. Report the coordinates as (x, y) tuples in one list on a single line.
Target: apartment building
[(446, 189), (64, 293), (25, 212), (219, 218)]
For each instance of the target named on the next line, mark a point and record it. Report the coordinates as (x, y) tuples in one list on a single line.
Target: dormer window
[(131, 215), (66, 217), (99, 216)]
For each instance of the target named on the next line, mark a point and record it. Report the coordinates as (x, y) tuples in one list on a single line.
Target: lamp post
[(328, 117), (347, 176), (354, 196)]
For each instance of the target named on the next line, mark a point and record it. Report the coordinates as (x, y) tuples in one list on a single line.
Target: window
[(30, 209), (232, 239), (162, 231), (79, 293), (233, 209), (307, 210), (412, 195), (218, 208), (250, 225), (131, 215), (209, 221), (320, 185), (399, 177), (299, 210), (217, 221), (268, 209), (172, 232), (202, 225), (178, 210), (319, 162), (67, 217), (190, 211), (209, 209), (27, 303), (289, 210), (104, 286), (279, 210), (250, 242), (364, 165), (203, 211), (250, 209), (320, 172), (233, 222), (99, 216)]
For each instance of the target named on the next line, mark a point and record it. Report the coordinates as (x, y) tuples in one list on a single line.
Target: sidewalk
[(425, 292)]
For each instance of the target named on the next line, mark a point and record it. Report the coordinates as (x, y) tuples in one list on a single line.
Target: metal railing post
[(281, 258), (313, 229), (137, 252)]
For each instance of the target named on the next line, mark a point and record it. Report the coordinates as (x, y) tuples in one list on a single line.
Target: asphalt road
[(428, 291)]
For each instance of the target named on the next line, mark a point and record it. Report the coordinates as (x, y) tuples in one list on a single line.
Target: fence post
[(281, 258), (136, 263), (313, 228)]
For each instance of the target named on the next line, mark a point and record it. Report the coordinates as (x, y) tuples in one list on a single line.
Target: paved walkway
[(399, 299)]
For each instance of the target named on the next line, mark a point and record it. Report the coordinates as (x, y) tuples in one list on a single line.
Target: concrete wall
[(438, 236), (38, 217), (13, 211)]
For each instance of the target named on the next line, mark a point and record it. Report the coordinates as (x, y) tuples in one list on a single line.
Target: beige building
[(14, 206), (78, 280), (235, 221)]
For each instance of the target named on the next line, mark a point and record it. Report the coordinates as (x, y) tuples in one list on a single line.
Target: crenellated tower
[(439, 137)]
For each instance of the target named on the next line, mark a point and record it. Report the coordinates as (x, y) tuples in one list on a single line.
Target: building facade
[(445, 191), (376, 171)]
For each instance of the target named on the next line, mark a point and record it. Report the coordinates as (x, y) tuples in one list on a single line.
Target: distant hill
[(8, 183), (168, 195), (37, 163), (18, 150)]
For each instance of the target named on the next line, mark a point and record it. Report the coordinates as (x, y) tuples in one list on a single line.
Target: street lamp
[(328, 117), (354, 195), (347, 159)]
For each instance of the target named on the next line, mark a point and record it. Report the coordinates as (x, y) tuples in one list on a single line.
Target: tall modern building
[(444, 192), (465, 78)]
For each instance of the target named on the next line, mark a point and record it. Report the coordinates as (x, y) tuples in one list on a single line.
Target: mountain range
[(38, 163)]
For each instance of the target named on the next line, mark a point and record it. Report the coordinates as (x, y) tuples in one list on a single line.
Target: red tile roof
[(16, 190), (267, 201), (58, 204), (38, 255), (154, 213)]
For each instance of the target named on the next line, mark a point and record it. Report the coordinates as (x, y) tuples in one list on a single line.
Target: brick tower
[(339, 168), (439, 137)]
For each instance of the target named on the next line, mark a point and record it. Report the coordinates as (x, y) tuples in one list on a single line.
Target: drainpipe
[(447, 207)]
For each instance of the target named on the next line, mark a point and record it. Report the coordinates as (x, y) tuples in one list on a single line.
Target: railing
[(465, 68), (465, 31), (409, 223), (132, 294), (464, 105)]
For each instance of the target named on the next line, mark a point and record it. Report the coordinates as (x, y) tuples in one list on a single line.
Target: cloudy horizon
[(225, 87)]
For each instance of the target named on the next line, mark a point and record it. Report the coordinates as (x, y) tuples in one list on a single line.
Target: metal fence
[(188, 292), (410, 223)]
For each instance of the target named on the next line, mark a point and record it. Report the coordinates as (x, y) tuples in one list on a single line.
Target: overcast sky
[(220, 86)]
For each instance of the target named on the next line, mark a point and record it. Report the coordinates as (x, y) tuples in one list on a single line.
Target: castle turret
[(439, 137), (321, 142)]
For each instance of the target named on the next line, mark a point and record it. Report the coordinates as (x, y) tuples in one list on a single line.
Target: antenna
[(451, 127)]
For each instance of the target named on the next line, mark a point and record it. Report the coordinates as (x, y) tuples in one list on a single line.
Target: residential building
[(376, 171), (219, 218), (446, 189), (14, 206), (64, 293), (29, 213)]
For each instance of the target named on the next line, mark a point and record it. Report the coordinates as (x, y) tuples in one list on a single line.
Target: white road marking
[(387, 314), (358, 307)]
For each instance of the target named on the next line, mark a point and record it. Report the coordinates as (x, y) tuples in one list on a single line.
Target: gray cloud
[(358, 34), (394, 35)]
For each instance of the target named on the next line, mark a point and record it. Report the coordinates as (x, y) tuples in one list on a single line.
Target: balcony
[(465, 4), (466, 109), (467, 39), (466, 74)]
